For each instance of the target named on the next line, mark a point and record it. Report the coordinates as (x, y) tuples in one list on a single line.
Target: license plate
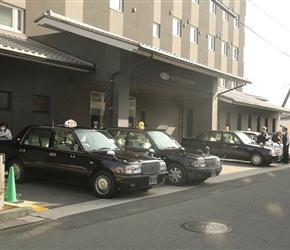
[(152, 180), (213, 173)]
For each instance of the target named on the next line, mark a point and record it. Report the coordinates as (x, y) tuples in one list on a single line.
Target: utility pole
[(286, 99)]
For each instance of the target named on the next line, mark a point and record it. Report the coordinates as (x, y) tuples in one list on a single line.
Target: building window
[(225, 16), (5, 100), (176, 27), (40, 103), (234, 85), (211, 42), (117, 5), (273, 125), (249, 122), (224, 49), (156, 30), (193, 34), (258, 123), (11, 18), (236, 22), (239, 122), (212, 7), (223, 83), (235, 53), (195, 1), (266, 123)]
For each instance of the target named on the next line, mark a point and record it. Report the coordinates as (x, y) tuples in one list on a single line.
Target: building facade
[(117, 62)]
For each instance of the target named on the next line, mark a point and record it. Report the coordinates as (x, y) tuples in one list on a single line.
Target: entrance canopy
[(58, 22)]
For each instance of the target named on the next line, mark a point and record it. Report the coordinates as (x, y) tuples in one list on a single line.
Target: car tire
[(104, 184), (19, 170), (257, 159), (176, 175)]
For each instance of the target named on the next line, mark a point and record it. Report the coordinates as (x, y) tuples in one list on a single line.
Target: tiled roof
[(30, 49), (239, 98)]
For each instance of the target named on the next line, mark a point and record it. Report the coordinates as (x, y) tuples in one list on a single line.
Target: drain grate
[(206, 227)]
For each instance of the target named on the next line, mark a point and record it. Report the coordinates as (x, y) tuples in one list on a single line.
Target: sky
[(267, 49)]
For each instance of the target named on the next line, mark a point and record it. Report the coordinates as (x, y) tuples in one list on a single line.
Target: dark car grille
[(150, 167), (211, 162)]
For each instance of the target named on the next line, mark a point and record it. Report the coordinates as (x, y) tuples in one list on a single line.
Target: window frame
[(193, 35), (117, 5), (225, 16), (17, 24), (212, 7), (7, 95), (156, 30), (224, 48), (35, 104), (211, 42), (222, 82), (235, 53), (176, 27)]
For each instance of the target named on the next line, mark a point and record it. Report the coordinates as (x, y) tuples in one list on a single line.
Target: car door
[(34, 149), (66, 160), (212, 139), (233, 147)]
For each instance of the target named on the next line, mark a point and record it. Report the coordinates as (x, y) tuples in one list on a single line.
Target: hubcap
[(257, 159), (175, 175), (103, 184)]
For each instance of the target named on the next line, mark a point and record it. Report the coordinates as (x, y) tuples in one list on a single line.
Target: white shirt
[(5, 134)]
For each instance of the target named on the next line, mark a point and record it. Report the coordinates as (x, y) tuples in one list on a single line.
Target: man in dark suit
[(286, 142)]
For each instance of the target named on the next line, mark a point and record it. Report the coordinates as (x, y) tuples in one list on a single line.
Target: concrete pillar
[(214, 106)]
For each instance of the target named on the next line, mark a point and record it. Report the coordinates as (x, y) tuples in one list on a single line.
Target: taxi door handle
[(72, 156), (234, 146), (225, 145), (52, 154), (22, 150)]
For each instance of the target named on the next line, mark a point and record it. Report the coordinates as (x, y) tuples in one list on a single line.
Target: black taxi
[(80, 155), (181, 165)]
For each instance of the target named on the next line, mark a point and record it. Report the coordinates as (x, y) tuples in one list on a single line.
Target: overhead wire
[(264, 39)]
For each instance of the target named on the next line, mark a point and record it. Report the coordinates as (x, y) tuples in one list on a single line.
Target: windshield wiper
[(172, 147)]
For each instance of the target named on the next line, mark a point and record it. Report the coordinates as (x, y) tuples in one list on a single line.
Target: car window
[(212, 136), (37, 137), (231, 138), (65, 140), (97, 140), (135, 139)]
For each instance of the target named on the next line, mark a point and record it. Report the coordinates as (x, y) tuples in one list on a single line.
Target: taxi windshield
[(163, 140), (94, 140)]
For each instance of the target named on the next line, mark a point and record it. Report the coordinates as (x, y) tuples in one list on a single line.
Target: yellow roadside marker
[(36, 208)]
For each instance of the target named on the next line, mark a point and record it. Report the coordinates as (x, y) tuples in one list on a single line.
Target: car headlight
[(198, 163), (162, 166), (133, 169)]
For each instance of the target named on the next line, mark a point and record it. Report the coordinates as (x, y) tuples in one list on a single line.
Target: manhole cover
[(206, 227)]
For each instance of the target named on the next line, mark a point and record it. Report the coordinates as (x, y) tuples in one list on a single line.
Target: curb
[(15, 213)]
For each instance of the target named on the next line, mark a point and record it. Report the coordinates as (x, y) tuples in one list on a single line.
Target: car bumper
[(203, 173), (135, 182)]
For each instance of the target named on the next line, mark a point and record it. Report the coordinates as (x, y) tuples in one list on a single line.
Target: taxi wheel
[(257, 159), (176, 175), (19, 170), (104, 184)]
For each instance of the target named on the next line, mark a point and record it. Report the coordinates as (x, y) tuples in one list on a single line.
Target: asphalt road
[(251, 203)]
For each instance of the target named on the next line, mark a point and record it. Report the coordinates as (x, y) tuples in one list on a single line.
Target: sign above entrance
[(165, 76)]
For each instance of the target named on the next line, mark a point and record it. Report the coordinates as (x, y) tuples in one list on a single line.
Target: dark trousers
[(285, 153)]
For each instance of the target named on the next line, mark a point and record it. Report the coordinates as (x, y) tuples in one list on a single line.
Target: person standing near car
[(5, 133), (263, 136), (286, 142)]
